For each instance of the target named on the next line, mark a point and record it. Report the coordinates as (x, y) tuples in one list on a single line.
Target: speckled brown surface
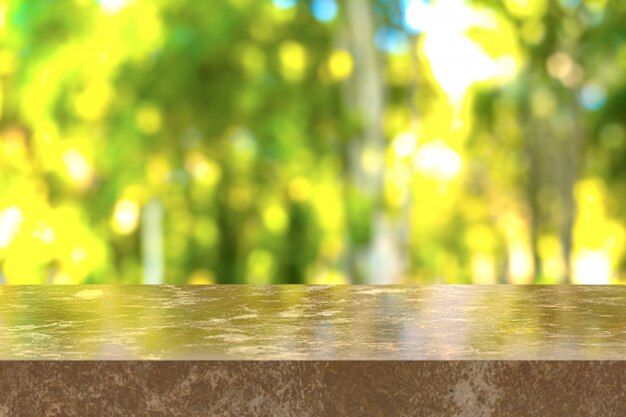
[(242, 351), (313, 388), (313, 323)]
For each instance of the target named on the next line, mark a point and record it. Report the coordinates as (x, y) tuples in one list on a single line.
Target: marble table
[(312, 350)]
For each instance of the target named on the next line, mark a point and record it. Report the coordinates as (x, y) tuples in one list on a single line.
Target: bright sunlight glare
[(438, 160), (592, 267), (456, 61), (10, 220), (113, 6)]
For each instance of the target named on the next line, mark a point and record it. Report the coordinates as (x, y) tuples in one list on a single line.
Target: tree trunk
[(152, 242), (379, 261), (569, 176)]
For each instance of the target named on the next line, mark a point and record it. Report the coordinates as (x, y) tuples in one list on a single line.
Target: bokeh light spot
[(561, 66), (293, 60), (404, 144), (592, 267), (340, 65), (201, 277), (275, 218), (125, 217), (8, 62), (417, 15), (149, 119), (392, 41), (285, 4), (10, 220), (113, 6), (324, 10), (533, 31), (3, 14), (593, 97), (203, 170), (260, 264), (570, 4), (45, 233), (526, 8), (299, 189), (78, 168), (91, 104), (438, 160)]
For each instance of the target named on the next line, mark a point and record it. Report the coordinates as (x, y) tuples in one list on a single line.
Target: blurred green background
[(312, 141)]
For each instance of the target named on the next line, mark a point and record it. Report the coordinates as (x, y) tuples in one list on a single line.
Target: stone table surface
[(244, 322)]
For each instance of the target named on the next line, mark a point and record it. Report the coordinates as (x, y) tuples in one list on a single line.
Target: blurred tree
[(315, 141)]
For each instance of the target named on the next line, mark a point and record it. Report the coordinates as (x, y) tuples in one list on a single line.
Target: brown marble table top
[(430, 322)]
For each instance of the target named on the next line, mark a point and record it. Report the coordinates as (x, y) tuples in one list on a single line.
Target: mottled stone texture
[(313, 388)]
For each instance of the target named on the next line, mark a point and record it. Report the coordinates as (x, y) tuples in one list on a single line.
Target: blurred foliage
[(503, 132)]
